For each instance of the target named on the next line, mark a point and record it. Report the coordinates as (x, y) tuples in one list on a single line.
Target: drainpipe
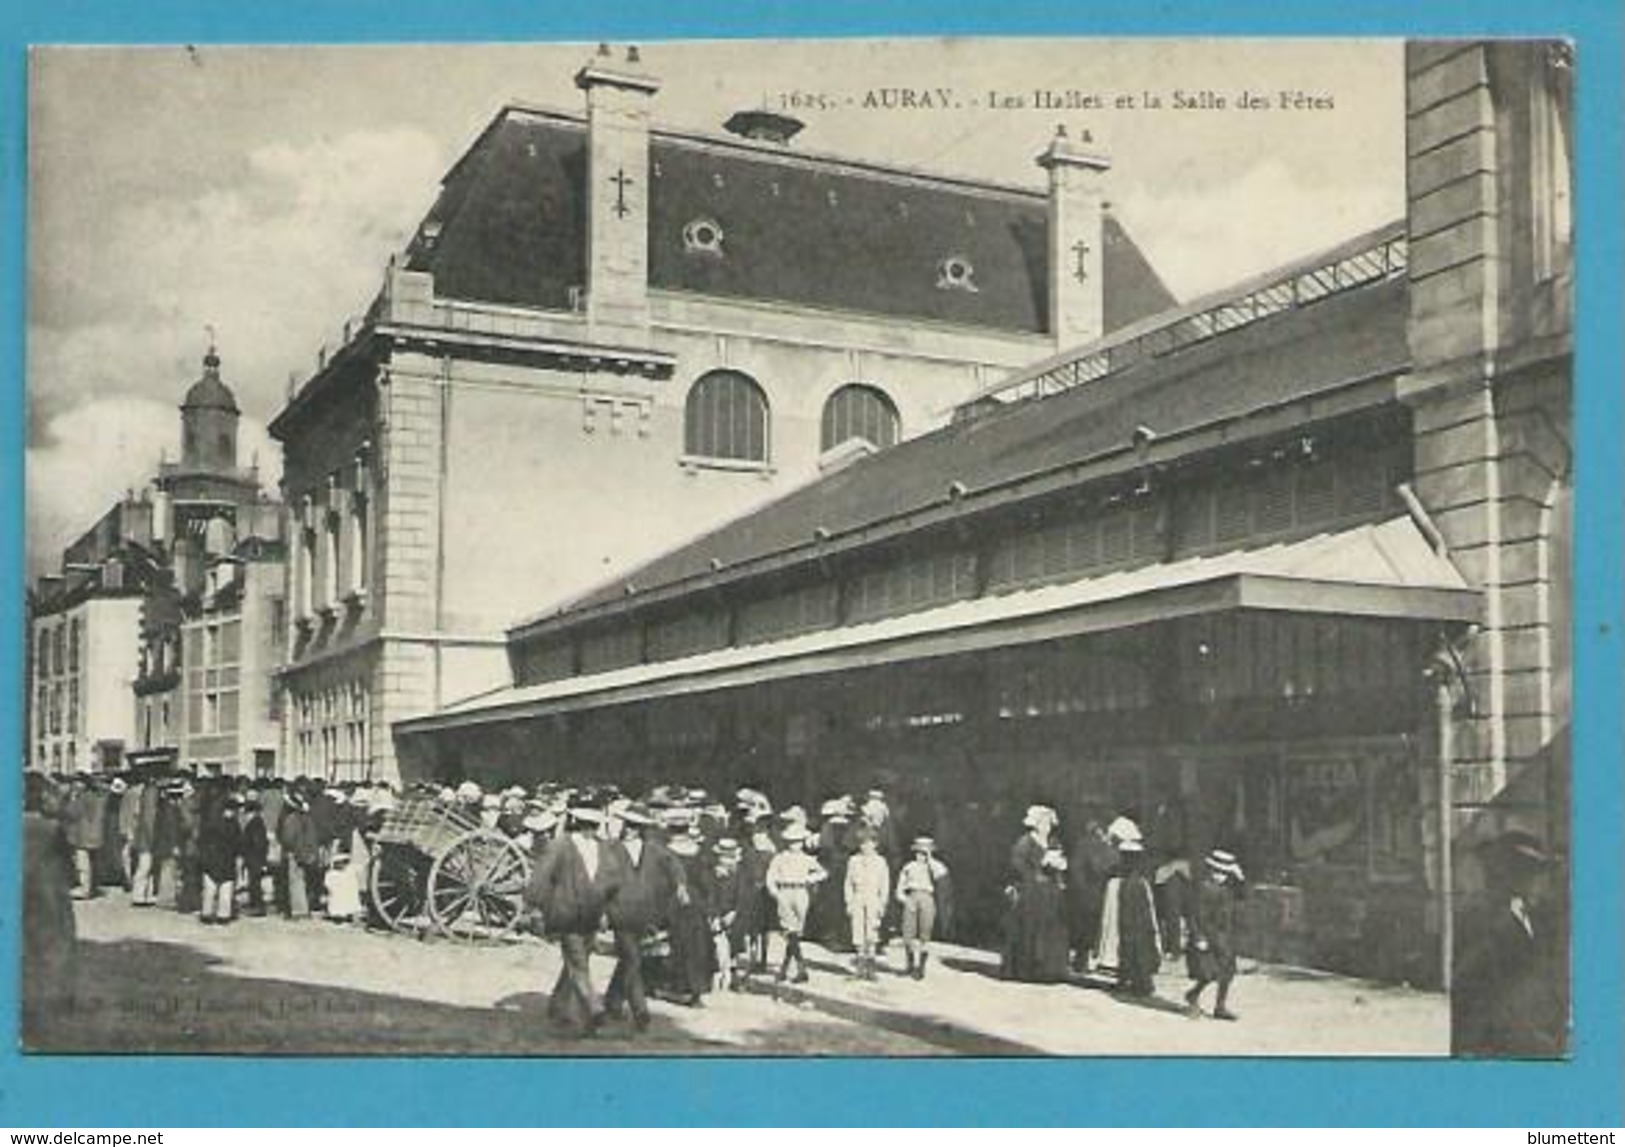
[(1444, 704)]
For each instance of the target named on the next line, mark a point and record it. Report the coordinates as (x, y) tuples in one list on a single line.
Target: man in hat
[(827, 919), (168, 843), (87, 809), (652, 884), (1509, 995), (120, 826), (755, 911), (790, 879), (220, 842), (722, 896), (569, 889), (1210, 954), (921, 884), (301, 852), (256, 852), (143, 878)]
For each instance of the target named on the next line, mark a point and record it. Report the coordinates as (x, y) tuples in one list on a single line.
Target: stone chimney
[(618, 93), (1076, 205)]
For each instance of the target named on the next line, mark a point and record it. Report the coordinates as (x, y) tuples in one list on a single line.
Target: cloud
[(102, 448), (275, 263), (1202, 236)]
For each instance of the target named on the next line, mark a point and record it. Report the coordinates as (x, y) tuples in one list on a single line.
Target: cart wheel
[(397, 885), (477, 886)]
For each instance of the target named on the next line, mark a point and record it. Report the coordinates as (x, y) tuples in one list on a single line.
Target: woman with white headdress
[(1036, 939), (1130, 944)]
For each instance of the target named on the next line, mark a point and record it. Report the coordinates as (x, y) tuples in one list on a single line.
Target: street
[(152, 981)]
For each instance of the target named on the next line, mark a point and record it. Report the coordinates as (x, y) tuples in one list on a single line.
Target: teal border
[(70, 1092)]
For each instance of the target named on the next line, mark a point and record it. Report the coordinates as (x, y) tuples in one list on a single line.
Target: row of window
[(58, 649), (727, 416), (57, 710), (330, 733), (332, 554)]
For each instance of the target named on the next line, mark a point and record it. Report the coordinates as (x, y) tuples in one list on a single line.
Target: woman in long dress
[(1036, 945), (689, 970), (1129, 942)]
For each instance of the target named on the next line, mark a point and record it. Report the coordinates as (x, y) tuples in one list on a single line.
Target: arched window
[(726, 418), (859, 411)]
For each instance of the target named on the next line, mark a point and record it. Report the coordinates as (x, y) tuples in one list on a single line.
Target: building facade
[(108, 675), (85, 638), (606, 337), (1284, 571), (232, 642)]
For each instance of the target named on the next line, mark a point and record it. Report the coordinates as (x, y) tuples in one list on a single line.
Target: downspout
[(1444, 714), (441, 500)]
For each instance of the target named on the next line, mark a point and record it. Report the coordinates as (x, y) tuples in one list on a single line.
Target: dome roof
[(209, 391)]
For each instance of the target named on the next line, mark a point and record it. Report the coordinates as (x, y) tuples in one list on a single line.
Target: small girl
[(1212, 955)]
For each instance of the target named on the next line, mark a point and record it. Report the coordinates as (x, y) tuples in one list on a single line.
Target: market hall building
[(607, 336), (1286, 568)]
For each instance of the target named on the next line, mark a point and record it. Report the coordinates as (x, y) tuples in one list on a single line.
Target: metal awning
[(1384, 570)]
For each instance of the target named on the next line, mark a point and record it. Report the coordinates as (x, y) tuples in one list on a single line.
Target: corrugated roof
[(1384, 569), (1344, 338), (510, 228)]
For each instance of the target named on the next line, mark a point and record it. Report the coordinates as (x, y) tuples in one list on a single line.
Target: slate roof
[(1356, 335), (510, 227)]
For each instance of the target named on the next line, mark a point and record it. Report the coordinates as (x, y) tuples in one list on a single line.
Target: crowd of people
[(217, 846), (692, 893)]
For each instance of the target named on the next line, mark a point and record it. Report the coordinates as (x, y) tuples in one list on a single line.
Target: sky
[(260, 191)]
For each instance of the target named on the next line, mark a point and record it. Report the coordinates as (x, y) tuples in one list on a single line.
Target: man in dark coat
[(87, 811), (754, 913), (143, 881), (168, 841), (256, 854), (577, 877), (1509, 995), (653, 885), (189, 893), (48, 931), (220, 843), (301, 852)]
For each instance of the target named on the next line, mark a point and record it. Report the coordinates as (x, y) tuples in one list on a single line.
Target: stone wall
[(1491, 394)]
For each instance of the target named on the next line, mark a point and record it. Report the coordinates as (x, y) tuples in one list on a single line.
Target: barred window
[(726, 417), (859, 411)]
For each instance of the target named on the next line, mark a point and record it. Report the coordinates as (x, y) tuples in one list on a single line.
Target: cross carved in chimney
[(621, 181), (1082, 249)]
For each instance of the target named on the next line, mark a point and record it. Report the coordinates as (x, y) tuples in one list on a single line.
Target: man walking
[(571, 885), (652, 883)]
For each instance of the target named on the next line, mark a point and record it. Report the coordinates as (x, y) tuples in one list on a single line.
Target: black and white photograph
[(978, 547)]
